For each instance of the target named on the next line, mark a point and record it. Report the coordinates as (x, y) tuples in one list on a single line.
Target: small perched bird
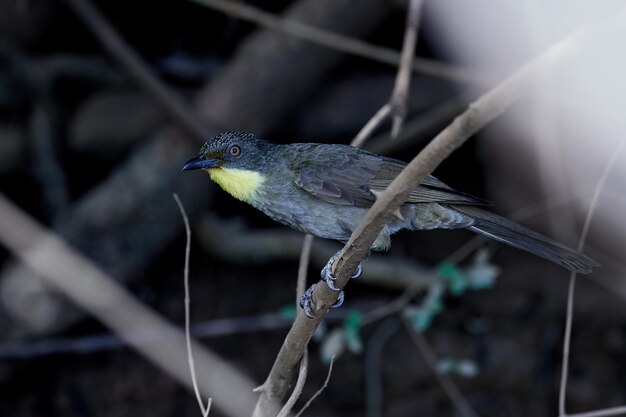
[(326, 189)]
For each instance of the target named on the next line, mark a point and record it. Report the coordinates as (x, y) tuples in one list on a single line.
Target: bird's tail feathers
[(506, 231)]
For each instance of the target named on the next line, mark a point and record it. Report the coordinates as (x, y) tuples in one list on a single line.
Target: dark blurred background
[(90, 153)]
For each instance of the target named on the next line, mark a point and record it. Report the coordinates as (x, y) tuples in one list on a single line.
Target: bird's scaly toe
[(327, 275), (306, 300), (358, 272), (339, 301)]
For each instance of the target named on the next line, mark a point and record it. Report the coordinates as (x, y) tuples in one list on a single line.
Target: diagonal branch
[(485, 109), (69, 272)]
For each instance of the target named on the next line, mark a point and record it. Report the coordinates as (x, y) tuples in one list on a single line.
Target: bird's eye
[(235, 150)]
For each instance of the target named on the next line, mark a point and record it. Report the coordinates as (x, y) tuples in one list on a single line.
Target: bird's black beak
[(199, 162)]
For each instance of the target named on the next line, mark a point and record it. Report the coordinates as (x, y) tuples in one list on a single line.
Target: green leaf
[(455, 277), (352, 331), (288, 312)]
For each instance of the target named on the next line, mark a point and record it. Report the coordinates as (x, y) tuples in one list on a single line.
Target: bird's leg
[(328, 277), (327, 272), (307, 298)]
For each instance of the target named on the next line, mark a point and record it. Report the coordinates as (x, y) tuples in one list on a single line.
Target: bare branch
[(446, 382), (396, 107), (572, 284), (297, 391), (369, 128), (479, 113), (400, 92), (614, 411), (192, 368), (339, 42), (305, 256), (89, 287), (319, 391)]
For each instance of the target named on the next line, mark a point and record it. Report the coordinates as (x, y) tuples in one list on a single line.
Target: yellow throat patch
[(240, 183)]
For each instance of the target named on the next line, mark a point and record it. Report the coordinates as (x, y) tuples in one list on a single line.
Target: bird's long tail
[(506, 231)]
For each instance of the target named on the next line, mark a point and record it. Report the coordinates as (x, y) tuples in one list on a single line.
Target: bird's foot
[(327, 272), (307, 299)]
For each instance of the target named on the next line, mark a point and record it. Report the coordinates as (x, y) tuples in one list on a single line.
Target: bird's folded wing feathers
[(340, 178), (348, 178), (431, 190)]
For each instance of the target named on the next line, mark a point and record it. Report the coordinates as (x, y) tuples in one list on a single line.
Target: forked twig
[(192, 368)]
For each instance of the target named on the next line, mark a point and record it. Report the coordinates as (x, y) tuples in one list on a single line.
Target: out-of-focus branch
[(320, 390), (396, 107), (459, 401), (567, 339), (171, 103), (339, 42), (88, 286), (399, 96), (268, 77), (479, 113)]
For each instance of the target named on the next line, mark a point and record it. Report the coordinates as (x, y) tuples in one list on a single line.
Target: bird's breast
[(240, 183)]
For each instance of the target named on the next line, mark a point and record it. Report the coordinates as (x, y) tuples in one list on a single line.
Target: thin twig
[(373, 361), (369, 128), (303, 266), (305, 256), (85, 284), (453, 392), (400, 93), (297, 391), (339, 42), (572, 285), (396, 107), (192, 367), (613, 411), (320, 390), (169, 101)]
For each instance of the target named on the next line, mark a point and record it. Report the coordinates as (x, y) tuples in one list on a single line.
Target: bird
[(326, 189)]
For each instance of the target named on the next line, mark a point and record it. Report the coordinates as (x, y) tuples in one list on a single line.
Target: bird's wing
[(431, 190), (337, 174), (347, 176)]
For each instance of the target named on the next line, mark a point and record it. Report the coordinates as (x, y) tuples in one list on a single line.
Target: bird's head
[(230, 150), (237, 161)]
